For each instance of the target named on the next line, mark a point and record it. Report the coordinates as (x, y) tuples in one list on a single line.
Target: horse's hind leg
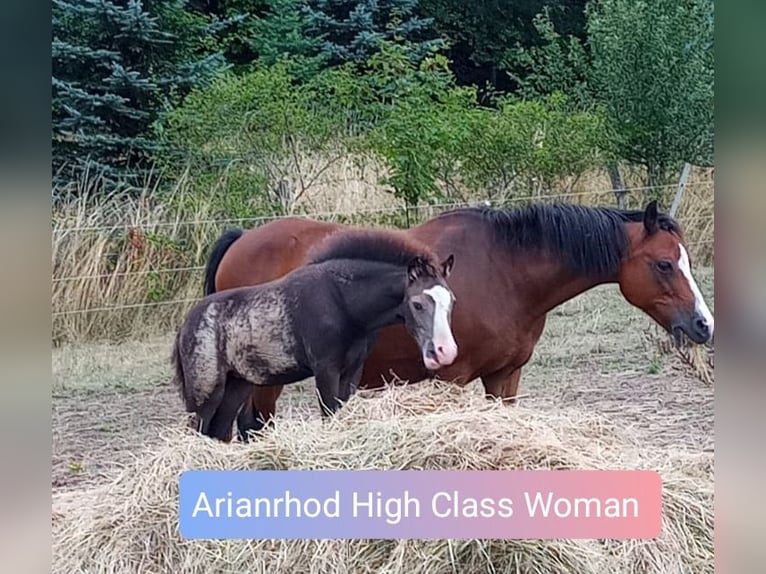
[(258, 410), (503, 384), (236, 392), (206, 412)]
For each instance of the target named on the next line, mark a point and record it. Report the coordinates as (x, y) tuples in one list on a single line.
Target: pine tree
[(283, 34), (116, 66), (352, 30)]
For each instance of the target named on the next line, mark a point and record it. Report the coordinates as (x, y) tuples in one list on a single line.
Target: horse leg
[(349, 381), (328, 385), (235, 394), (351, 374), (259, 410), (503, 384), (206, 411)]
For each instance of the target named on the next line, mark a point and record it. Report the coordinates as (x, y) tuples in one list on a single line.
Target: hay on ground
[(130, 525)]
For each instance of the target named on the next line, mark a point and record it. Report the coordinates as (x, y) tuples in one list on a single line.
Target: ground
[(597, 351)]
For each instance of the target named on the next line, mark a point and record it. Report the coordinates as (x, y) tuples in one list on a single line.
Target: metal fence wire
[(413, 214)]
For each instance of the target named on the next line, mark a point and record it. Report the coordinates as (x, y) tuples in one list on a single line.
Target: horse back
[(271, 251)]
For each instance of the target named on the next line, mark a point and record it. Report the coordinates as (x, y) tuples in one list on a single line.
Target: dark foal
[(320, 320)]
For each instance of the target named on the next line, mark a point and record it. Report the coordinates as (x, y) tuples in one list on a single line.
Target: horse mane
[(590, 240), (380, 245)]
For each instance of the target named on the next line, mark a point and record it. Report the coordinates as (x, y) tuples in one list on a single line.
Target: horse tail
[(216, 255)]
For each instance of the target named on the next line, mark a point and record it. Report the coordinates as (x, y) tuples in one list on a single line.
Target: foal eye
[(664, 266), (418, 306)]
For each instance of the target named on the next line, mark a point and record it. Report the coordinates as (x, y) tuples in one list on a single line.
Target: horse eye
[(418, 306), (664, 266)]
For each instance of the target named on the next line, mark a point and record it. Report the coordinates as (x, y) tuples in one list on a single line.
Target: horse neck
[(373, 293), (548, 282)]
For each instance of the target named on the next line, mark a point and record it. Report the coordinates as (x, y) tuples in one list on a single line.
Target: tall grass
[(129, 265)]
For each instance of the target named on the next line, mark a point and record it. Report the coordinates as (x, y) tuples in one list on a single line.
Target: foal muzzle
[(437, 356)]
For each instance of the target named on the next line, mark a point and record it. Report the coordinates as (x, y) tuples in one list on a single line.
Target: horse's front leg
[(351, 375), (328, 385), (349, 382)]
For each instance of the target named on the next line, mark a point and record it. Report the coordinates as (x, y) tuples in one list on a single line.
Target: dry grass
[(697, 360), (130, 524)]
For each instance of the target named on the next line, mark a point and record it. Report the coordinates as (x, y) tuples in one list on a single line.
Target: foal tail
[(179, 381), (216, 255)]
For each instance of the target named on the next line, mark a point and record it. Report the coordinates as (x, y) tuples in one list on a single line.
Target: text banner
[(420, 504)]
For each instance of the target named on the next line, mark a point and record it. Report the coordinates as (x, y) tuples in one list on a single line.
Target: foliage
[(283, 34), (115, 68), (653, 70), (558, 64), (262, 128), (481, 33), (314, 82), (353, 30), (423, 122), (528, 147), (238, 20), (273, 135)]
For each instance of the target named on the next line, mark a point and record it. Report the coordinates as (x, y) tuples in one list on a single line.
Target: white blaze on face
[(699, 303), (444, 342)]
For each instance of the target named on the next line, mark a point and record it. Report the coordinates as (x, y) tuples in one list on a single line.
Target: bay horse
[(516, 265), (319, 320)]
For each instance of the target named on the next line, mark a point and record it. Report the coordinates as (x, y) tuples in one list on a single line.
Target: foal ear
[(447, 265), (650, 217), (414, 269)]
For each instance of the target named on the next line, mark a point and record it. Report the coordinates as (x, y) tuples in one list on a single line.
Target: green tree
[(559, 63), (422, 118), (352, 30), (481, 33), (116, 67), (652, 67), (282, 34)]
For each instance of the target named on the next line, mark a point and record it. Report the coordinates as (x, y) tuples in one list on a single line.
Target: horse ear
[(447, 265), (650, 217)]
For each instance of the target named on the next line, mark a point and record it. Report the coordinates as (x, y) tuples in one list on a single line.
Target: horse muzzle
[(695, 327)]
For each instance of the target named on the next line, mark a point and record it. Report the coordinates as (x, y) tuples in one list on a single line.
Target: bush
[(267, 134), (529, 147)]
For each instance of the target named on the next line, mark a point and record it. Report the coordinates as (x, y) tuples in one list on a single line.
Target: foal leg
[(503, 384), (206, 411), (351, 373), (236, 393), (349, 382), (328, 384)]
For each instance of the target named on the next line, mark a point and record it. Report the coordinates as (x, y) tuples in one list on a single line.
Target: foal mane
[(380, 245), (590, 240)]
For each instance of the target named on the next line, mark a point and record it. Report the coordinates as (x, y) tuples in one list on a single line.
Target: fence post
[(681, 188), (617, 186)]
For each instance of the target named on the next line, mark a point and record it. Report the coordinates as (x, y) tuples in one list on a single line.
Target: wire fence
[(193, 300), (198, 268), (105, 304)]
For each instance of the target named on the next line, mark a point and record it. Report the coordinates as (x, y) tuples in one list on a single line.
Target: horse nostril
[(440, 350), (701, 325)]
